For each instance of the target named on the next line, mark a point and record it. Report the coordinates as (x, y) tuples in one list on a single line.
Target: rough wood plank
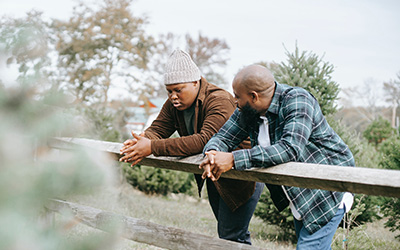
[(380, 182), (144, 231)]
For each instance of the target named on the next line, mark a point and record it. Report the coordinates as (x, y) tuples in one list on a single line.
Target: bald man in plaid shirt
[(285, 124)]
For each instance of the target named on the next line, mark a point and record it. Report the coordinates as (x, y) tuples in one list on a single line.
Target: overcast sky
[(361, 38)]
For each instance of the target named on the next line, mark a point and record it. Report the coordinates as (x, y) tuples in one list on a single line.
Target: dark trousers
[(233, 225)]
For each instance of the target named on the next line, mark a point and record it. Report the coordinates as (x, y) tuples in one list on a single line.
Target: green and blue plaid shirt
[(299, 133)]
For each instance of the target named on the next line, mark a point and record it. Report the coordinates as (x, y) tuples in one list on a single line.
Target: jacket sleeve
[(164, 125), (216, 112)]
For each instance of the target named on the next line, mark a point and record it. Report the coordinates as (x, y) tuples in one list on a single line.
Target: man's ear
[(254, 96)]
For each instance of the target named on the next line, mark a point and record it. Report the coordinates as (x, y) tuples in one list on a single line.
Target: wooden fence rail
[(144, 231), (352, 179), (380, 182)]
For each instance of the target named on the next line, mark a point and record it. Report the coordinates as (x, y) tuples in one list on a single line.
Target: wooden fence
[(379, 182)]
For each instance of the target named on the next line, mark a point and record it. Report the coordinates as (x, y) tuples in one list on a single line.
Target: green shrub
[(391, 160), (102, 124), (378, 131), (267, 211), (152, 180)]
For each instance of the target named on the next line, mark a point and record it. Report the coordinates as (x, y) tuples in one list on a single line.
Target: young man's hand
[(134, 150)]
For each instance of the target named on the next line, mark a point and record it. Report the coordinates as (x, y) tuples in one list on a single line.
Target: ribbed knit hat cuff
[(181, 76)]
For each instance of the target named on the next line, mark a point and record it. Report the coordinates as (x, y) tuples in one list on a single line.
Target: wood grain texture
[(143, 231), (368, 181)]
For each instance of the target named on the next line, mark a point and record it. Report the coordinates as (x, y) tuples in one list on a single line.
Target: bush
[(391, 160), (102, 124), (152, 180), (378, 131), (267, 211)]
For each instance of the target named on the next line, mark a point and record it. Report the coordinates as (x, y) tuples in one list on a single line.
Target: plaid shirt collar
[(274, 107)]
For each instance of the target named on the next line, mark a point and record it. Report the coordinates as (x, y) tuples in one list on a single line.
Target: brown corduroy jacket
[(213, 107)]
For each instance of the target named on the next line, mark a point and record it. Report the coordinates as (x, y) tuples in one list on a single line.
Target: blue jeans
[(322, 239), (233, 225)]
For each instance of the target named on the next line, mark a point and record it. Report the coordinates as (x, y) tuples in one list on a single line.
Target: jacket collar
[(202, 91)]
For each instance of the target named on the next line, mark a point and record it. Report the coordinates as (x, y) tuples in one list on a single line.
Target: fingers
[(126, 149), (215, 176), (207, 171), (136, 136), (128, 142), (211, 156), (127, 157), (136, 162)]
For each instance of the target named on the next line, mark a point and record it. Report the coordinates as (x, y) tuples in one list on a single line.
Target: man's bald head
[(254, 78)]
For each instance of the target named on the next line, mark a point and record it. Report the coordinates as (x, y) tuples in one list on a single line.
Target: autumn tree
[(99, 47), (210, 55)]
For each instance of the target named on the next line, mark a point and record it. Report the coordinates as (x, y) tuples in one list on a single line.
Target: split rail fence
[(379, 182)]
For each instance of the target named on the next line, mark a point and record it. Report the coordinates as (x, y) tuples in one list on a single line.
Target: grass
[(195, 215)]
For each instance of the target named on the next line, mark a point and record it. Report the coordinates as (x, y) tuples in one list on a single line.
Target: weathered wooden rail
[(380, 182), (368, 181), (144, 231)]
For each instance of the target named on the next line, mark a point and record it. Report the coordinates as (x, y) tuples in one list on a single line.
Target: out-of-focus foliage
[(392, 91), (159, 181), (391, 160), (378, 131), (25, 42), (267, 211), (30, 172)]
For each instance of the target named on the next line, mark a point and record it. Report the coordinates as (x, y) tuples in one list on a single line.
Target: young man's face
[(182, 95)]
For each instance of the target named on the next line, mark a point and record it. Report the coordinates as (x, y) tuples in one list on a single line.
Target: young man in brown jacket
[(197, 110)]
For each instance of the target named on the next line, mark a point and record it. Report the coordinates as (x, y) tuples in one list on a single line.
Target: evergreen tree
[(391, 160), (378, 131), (308, 70)]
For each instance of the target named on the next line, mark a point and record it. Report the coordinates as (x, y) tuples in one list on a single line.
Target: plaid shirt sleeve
[(228, 137), (297, 110)]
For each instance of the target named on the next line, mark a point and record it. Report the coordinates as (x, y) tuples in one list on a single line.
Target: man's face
[(182, 95), (242, 97), (249, 115)]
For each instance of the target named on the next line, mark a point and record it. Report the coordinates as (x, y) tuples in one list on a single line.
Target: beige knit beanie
[(180, 68)]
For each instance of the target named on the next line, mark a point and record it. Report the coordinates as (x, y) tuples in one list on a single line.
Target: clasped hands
[(215, 163), (134, 150)]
